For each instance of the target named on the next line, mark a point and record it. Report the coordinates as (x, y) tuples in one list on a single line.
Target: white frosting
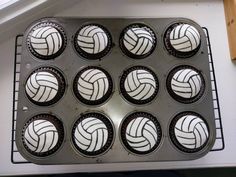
[(191, 131), (92, 84), (92, 39), (141, 134), (140, 84), (186, 83), (42, 86), (41, 136), (46, 40), (138, 41), (185, 38), (91, 134)]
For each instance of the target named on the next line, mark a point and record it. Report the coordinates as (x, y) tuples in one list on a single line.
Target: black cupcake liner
[(127, 96), (171, 50), (130, 54), (174, 139), (45, 24), (110, 129), (179, 98), (126, 122), (90, 56), (93, 102)]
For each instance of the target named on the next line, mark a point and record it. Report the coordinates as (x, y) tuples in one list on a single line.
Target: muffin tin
[(150, 120)]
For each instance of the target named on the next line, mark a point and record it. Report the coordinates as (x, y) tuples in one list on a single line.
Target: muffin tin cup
[(110, 139), (130, 99), (91, 56), (54, 120), (61, 82), (172, 50), (147, 29), (105, 98), (44, 24), (179, 98), (123, 130), (68, 108)]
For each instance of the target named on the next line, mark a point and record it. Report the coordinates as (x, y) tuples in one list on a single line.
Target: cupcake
[(137, 41), (182, 40), (46, 40), (139, 85), (93, 85), (93, 41), (92, 134), (45, 86), (185, 84), (43, 135), (141, 133), (189, 132)]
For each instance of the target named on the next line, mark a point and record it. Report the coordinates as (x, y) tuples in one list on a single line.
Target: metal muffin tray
[(68, 109)]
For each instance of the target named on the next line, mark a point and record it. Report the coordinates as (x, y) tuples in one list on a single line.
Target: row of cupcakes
[(48, 40), (93, 134), (93, 85)]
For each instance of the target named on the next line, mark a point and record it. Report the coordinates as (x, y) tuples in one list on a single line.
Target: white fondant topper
[(46, 40), (138, 41), (42, 86), (141, 134), (185, 38), (91, 134), (92, 84), (140, 84), (186, 83), (191, 131), (41, 136), (92, 39)]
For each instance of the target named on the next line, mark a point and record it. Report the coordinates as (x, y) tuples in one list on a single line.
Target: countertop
[(209, 13)]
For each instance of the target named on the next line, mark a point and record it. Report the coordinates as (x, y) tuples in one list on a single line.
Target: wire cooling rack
[(16, 158), (219, 143)]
